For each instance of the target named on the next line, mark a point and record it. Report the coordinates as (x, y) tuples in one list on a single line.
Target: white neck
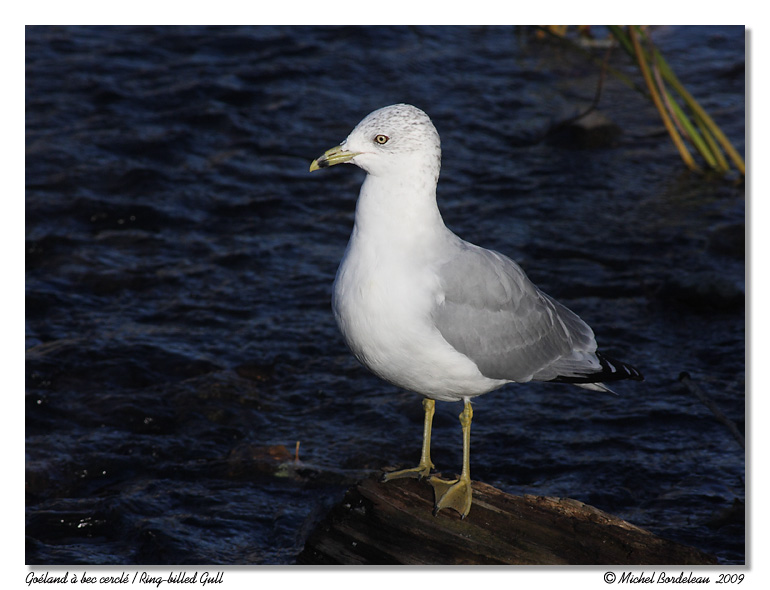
[(399, 211)]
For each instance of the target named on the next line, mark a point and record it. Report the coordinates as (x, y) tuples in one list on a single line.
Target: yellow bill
[(332, 157)]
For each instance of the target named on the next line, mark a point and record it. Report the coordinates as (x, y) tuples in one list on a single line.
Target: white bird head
[(394, 138)]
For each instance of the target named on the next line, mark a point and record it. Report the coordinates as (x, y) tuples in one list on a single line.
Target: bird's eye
[(381, 139)]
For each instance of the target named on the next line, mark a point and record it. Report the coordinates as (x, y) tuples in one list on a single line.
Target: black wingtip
[(611, 370), (618, 368)]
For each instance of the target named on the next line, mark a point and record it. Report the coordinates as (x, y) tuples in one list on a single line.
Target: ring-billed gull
[(432, 313)]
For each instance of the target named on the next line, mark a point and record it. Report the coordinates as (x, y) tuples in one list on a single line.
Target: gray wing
[(495, 315)]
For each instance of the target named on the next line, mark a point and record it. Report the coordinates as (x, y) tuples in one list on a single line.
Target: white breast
[(382, 302)]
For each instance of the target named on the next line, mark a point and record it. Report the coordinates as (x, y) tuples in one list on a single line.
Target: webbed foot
[(422, 470), (452, 493)]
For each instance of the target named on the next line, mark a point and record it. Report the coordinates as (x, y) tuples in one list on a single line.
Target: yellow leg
[(423, 469), (457, 493)]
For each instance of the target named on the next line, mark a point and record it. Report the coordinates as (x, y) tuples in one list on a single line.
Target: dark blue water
[(179, 261)]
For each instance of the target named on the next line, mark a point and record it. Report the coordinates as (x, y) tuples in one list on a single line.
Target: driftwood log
[(392, 523)]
